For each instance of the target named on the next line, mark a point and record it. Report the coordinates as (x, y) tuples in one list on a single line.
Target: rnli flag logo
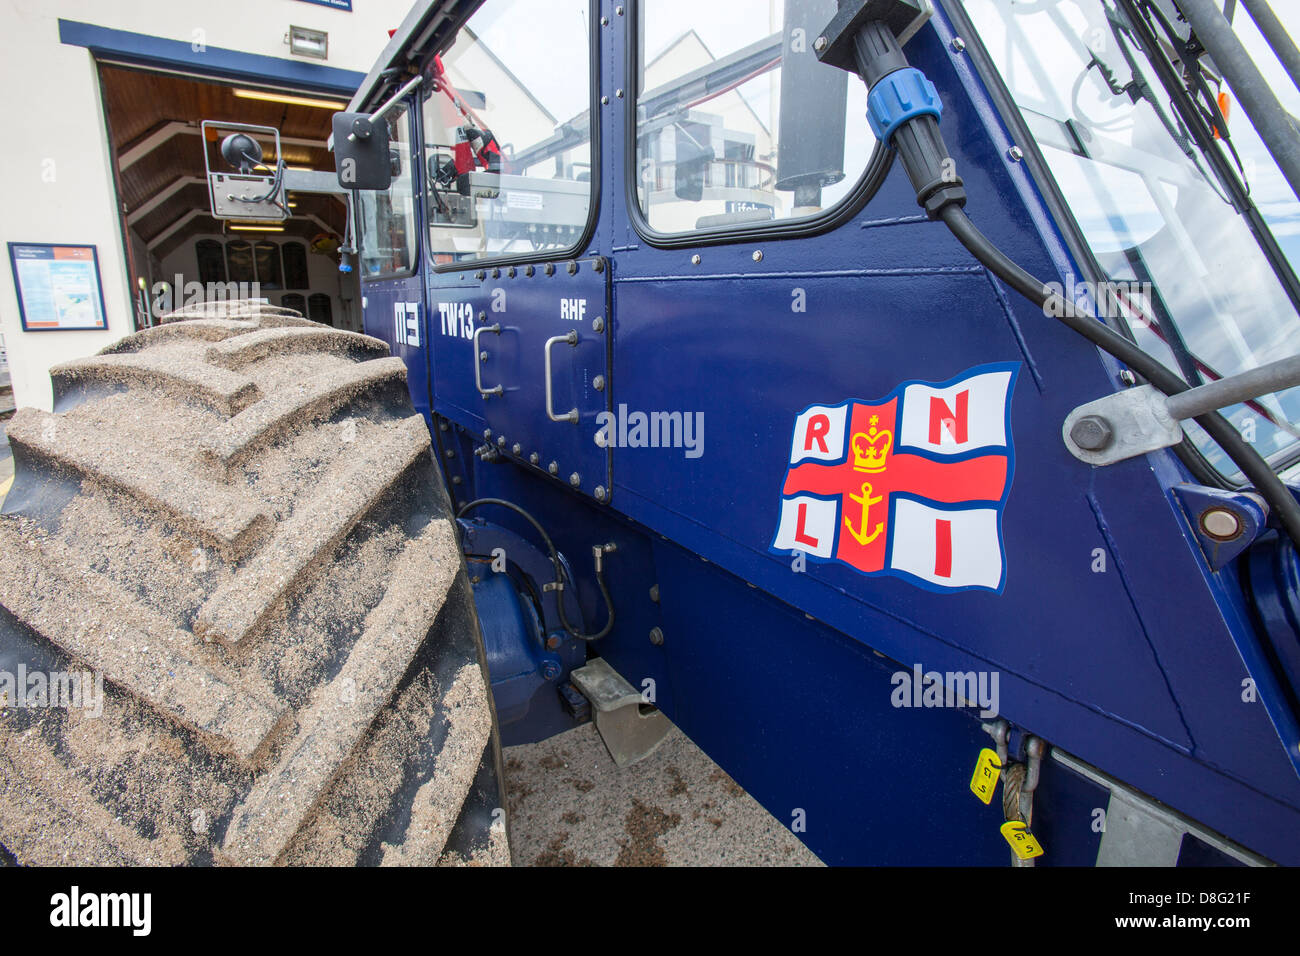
[(912, 485)]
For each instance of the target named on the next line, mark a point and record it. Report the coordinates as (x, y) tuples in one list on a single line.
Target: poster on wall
[(58, 286)]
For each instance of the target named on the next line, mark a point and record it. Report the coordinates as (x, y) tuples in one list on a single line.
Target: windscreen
[(1194, 282)]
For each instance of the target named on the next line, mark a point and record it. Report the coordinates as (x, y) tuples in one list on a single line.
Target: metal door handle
[(572, 414), (478, 362)]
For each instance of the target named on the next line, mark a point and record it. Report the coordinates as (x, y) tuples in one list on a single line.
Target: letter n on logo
[(943, 418)]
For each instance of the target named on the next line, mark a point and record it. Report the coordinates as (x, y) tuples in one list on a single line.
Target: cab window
[(507, 133), (386, 219), (737, 122)]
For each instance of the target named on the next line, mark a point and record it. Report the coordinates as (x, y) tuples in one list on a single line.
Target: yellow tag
[(1023, 843), (984, 781)]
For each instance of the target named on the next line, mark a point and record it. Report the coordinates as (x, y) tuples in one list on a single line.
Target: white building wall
[(55, 168)]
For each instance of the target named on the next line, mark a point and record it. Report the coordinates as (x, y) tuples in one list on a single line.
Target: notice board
[(58, 286)]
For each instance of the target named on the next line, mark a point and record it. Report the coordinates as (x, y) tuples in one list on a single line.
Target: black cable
[(1251, 463), (559, 569)]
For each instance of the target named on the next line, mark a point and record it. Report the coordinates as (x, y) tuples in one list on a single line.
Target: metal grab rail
[(572, 414), (480, 358)]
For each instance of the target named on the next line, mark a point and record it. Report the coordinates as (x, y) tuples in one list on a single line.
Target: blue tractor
[(895, 396), (898, 396)]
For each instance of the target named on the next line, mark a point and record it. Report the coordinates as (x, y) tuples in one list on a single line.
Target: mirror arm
[(361, 128)]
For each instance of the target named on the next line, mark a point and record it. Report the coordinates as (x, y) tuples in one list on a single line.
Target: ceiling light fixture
[(269, 97)]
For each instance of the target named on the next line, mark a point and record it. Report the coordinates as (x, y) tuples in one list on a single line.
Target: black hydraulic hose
[(1252, 465), (559, 569)]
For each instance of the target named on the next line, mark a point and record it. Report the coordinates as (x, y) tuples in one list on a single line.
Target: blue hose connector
[(900, 96)]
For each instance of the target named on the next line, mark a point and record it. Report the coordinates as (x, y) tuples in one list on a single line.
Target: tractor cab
[(797, 367)]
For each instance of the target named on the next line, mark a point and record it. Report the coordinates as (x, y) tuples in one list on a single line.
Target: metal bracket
[(630, 732), (1224, 522), (1143, 419), (1120, 426)]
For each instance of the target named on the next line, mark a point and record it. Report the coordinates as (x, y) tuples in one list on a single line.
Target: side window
[(387, 219), (212, 265), (319, 309), (267, 256), (239, 261), (295, 266), (507, 133), (737, 123)]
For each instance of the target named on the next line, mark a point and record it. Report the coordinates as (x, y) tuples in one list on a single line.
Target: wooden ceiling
[(153, 123)]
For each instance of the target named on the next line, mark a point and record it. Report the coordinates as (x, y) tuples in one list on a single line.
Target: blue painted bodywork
[(785, 678)]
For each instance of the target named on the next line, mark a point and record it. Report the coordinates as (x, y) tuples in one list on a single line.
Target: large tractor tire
[(234, 518)]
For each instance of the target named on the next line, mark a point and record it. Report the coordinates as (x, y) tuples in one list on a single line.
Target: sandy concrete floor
[(571, 806)]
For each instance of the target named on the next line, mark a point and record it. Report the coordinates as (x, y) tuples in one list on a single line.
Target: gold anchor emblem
[(866, 501)]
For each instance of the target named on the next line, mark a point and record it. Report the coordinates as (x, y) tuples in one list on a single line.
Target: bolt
[(604, 21), (758, 255), (482, 316), (572, 267), (820, 44), (619, 94), (598, 383), (550, 269), (455, 479), (575, 479), (510, 273), (695, 259), (604, 100), (598, 263), (600, 493), (516, 448), (552, 642), (487, 433), (528, 271), (553, 468), (1016, 154), (598, 324), (450, 453), (1220, 523), (496, 273), (958, 44), (501, 441), (480, 275), (656, 637), (1091, 433), (1127, 377), (442, 426), (483, 356), (534, 458), (550, 670), (654, 593), (619, 11)]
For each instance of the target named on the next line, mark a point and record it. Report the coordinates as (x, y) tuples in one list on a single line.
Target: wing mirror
[(361, 146), (361, 151)]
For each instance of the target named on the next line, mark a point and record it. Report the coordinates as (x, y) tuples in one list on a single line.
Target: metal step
[(630, 727)]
